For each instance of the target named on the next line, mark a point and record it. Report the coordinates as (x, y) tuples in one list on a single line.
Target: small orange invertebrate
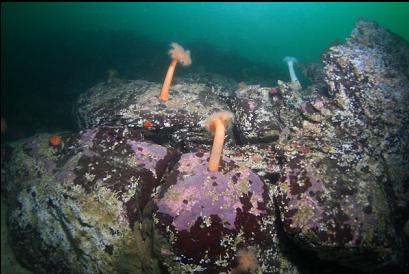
[(147, 124), (247, 262), (54, 140)]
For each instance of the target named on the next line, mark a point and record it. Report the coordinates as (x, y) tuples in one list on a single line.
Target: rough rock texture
[(77, 208), (178, 122), (261, 114), (217, 84), (9, 263), (369, 79), (345, 183), (260, 158), (208, 217), (315, 74)]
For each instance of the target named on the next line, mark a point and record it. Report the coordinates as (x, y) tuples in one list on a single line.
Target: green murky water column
[(262, 32)]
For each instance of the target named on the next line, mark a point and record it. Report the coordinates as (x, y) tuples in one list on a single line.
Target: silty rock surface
[(262, 113), (77, 208), (345, 181), (207, 218), (315, 74), (216, 84), (178, 122), (262, 159)]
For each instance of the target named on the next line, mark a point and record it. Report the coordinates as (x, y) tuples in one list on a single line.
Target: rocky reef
[(207, 218), (344, 188), (177, 123), (73, 208), (319, 174)]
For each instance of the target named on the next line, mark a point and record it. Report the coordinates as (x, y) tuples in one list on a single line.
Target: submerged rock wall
[(322, 170)]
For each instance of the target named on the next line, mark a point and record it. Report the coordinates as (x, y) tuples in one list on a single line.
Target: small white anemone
[(290, 62)]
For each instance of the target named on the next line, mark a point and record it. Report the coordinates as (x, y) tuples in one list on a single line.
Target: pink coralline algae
[(207, 215), (148, 154), (201, 193), (302, 208)]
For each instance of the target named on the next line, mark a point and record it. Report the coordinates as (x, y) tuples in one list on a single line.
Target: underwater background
[(62, 63), (51, 52)]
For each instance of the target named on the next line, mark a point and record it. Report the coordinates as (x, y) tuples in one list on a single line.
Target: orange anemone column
[(164, 94)]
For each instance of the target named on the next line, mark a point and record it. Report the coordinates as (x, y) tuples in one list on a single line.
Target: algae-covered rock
[(177, 122), (262, 159), (78, 208), (208, 218), (263, 112), (342, 192), (369, 79)]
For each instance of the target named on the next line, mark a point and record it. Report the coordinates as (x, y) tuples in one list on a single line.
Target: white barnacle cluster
[(222, 261), (132, 189), (89, 177), (227, 241), (207, 221)]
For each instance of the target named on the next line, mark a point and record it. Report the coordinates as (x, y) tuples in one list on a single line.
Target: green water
[(52, 52), (261, 32)]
